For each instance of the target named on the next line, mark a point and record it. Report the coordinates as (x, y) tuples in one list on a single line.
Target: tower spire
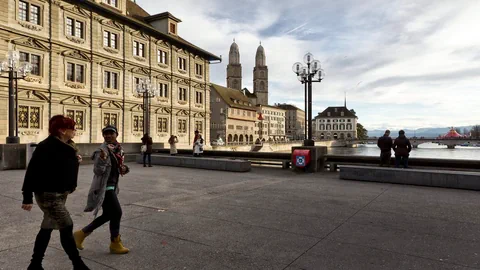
[(345, 101)]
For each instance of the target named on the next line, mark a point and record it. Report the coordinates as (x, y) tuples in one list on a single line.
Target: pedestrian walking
[(198, 146), (402, 148), (51, 176), (108, 167), (385, 144), (147, 145), (173, 145)]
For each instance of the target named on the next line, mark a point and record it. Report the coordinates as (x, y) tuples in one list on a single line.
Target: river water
[(426, 150)]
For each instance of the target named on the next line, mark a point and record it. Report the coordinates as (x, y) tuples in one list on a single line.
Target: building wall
[(90, 101), (273, 123), (218, 120), (343, 127), (241, 123)]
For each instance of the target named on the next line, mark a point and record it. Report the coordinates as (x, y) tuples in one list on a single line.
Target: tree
[(362, 133), (475, 132)]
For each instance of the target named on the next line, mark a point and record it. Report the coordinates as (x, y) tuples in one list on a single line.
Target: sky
[(402, 63)]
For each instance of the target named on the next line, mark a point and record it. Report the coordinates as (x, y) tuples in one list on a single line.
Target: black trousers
[(66, 239), (112, 211), (385, 158), (149, 155)]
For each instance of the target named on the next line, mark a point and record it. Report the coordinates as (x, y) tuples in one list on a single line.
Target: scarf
[(117, 151)]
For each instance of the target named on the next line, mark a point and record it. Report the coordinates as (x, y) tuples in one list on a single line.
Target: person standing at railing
[(402, 148), (385, 144)]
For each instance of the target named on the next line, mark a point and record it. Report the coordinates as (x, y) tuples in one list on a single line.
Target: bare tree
[(475, 132)]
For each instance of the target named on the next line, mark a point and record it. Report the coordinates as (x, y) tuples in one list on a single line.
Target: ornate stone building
[(87, 57), (294, 121), (233, 116), (335, 123), (271, 126)]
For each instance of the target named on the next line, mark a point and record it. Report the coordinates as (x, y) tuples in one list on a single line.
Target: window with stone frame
[(173, 28), (137, 123), (199, 126), (162, 57), (138, 49), (198, 97), (29, 117), (162, 125), (182, 63), (110, 80), (110, 119), (75, 73), (199, 69), (28, 12), (182, 94), (113, 3), (78, 116), (34, 60), (110, 39), (75, 28), (163, 90), (182, 126)]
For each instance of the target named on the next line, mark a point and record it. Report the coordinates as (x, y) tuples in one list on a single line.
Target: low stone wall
[(218, 164), (16, 156), (431, 178)]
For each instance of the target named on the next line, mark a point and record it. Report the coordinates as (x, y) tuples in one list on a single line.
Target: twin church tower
[(260, 75)]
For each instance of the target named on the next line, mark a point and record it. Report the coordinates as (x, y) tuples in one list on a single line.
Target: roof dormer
[(164, 22)]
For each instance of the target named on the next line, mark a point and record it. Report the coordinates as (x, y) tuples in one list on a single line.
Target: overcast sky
[(403, 63)]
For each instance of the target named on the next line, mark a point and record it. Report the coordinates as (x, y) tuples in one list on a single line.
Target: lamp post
[(14, 70), (147, 90), (307, 75)]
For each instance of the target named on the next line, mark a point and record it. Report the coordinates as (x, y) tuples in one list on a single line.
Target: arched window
[(322, 127), (235, 84), (349, 126), (235, 138), (230, 137), (342, 136), (329, 127), (251, 138), (241, 138), (342, 126), (335, 136), (322, 136), (349, 135), (262, 86), (335, 127)]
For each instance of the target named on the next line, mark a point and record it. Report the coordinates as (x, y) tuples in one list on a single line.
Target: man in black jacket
[(385, 144), (402, 148)]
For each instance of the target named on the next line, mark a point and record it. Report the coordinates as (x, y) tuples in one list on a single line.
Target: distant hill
[(421, 132)]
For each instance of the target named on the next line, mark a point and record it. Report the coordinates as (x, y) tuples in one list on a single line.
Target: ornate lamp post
[(147, 90), (307, 75), (15, 70)]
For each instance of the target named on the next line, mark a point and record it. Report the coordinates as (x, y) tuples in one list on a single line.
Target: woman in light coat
[(198, 146), (173, 145)]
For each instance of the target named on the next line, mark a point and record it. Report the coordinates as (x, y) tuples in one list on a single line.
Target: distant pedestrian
[(198, 146), (108, 167), (385, 144), (52, 175), (173, 145), (147, 144), (402, 148)]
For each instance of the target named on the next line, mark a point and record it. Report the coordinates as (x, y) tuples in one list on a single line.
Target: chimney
[(164, 22)]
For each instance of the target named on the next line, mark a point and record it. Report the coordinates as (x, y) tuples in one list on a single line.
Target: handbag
[(143, 148)]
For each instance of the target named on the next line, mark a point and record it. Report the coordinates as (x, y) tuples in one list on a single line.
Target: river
[(426, 150)]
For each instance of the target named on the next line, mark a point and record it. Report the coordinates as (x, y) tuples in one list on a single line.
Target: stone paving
[(178, 218)]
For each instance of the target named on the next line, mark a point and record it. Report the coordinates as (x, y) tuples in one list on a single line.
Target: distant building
[(233, 116), (336, 123), (294, 121), (272, 127)]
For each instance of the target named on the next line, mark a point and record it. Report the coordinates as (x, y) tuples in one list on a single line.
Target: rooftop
[(233, 97), (336, 112)]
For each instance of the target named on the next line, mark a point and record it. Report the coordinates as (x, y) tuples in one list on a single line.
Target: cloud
[(417, 61)]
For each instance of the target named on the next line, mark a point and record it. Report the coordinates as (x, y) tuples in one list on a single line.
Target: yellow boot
[(79, 237), (116, 246)]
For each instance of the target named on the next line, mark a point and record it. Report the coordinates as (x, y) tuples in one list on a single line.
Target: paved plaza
[(176, 218)]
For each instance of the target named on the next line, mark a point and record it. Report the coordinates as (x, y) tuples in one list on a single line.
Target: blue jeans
[(401, 160)]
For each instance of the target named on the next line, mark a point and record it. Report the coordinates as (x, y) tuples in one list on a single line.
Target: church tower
[(260, 77), (234, 68)]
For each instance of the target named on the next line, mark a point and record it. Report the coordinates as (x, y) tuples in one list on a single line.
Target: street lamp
[(308, 74), (147, 90), (15, 70)]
